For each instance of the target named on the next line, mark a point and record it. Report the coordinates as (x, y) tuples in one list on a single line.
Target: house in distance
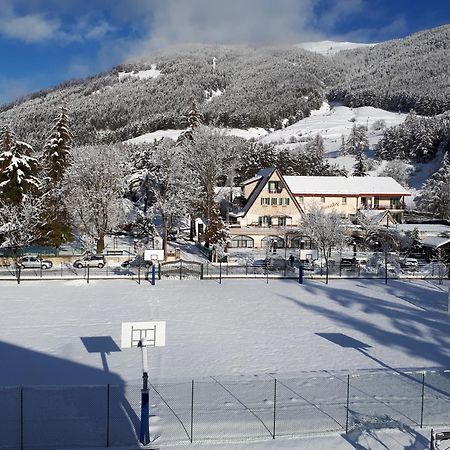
[(275, 205)]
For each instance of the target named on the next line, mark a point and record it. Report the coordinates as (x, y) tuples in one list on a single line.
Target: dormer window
[(274, 187)]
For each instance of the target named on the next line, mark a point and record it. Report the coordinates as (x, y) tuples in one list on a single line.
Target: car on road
[(90, 261), (138, 261), (32, 262)]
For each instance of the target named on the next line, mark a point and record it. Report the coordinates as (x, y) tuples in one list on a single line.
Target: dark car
[(90, 261), (139, 261), (348, 263)]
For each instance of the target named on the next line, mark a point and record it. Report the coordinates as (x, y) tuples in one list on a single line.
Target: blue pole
[(153, 274), (300, 274), (144, 435)]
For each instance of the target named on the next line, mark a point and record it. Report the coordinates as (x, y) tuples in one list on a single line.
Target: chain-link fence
[(66, 271), (221, 409)]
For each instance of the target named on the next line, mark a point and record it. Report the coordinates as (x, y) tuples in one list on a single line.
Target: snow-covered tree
[(209, 158), (217, 234), (316, 145), (343, 146), (164, 177), (194, 119), (326, 229), (56, 155), (398, 170), (19, 223), (17, 168), (434, 196), (357, 141), (360, 166), (56, 158), (94, 185)]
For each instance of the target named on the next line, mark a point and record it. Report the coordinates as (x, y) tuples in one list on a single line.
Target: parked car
[(136, 262), (409, 264), (32, 262), (91, 261), (348, 263)]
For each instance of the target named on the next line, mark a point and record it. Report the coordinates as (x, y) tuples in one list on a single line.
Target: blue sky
[(45, 42)]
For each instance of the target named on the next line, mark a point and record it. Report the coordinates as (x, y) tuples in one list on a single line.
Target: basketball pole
[(144, 435)]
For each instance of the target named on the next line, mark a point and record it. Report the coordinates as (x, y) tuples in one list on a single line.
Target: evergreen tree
[(343, 147), (434, 196), (17, 168), (194, 119), (316, 145), (216, 234), (55, 221), (360, 167), (357, 140), (56, 155)]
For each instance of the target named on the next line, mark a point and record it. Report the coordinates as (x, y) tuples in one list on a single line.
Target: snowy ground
[(234, 338), (246, 322)]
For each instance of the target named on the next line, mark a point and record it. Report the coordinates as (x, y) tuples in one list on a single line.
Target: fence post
[(107, 415), (88, 266), (106, 265), (153, 274), (220, 272), (181, 269), (274, 407), (61, 269), (300, 273), (423, 396), (159, 271), (139, 273), (201, 271), (348, 402), (192, 411), (21, 418)]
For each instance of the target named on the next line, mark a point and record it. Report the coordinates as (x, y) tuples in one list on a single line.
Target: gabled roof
[(344, 186), (264, 176)]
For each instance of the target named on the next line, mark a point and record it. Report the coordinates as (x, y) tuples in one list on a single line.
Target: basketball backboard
[(153, 332)]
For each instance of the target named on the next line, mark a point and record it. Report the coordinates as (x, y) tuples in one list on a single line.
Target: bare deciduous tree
[(326, 229), (94, 186)]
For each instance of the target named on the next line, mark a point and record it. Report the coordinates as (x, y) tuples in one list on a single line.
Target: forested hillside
[(241, 87), (399, 75), (259, 87)]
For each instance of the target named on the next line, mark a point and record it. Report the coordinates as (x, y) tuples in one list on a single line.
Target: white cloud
[(229, 22), (29, 28)]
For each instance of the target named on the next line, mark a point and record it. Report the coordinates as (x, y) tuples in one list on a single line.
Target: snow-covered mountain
[(329, 48)]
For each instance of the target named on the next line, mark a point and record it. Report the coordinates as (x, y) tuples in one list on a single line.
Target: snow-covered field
[(333, 121), (233, 329), (233, 339)]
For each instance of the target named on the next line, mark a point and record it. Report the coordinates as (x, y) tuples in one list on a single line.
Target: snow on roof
[(435, 241), (430, 228), (344, 186)]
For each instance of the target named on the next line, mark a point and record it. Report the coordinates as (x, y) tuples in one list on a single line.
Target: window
[(376, 202), (301, 199), (264, 221), (282, 221), (395, 203), (280, 201), (241, 242), (273, 201), (322, 199), (265, 201), (286, 201), (274, 187), (344, 200)]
